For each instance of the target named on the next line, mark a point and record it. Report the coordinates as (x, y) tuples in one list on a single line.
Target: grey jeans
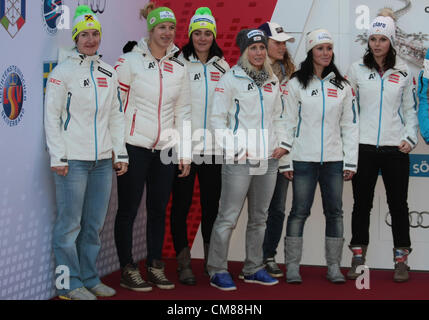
[(238, 182)]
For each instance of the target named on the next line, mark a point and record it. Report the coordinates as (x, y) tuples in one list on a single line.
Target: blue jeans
[(82, 198), (305, 178), (276, 217)]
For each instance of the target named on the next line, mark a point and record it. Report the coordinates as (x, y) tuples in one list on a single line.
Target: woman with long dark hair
[(322, 134), (206, 65), (388, 132)]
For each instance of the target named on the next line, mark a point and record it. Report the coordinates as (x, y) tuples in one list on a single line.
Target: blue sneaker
[(223, 281), (261, 277)]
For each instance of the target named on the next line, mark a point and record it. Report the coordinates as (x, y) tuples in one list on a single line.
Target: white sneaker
[(78, 294), (101, 290)]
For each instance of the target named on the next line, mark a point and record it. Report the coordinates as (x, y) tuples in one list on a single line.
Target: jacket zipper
[(69, 95), (159, 107), (237, 111), (381, 110), (261, 97), (205, 109), (299, 120), (323, 121), (133, 125), (354, 111), (96, 110)]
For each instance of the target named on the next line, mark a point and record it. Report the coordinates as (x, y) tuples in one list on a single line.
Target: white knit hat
[(384, 26), (317, 37)]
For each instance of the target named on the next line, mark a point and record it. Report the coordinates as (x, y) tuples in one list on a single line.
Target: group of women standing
[(260, 125)]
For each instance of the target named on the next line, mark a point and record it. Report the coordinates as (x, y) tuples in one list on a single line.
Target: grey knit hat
[(247, 37)]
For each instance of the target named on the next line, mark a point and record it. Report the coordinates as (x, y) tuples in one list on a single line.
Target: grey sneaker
[(132, 279), (101, 290), (78, 294), (272, 268), (156, 275)]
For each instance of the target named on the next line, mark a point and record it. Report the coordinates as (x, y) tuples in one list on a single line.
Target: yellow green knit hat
[(160, 15), (84, 19), (202, 19)]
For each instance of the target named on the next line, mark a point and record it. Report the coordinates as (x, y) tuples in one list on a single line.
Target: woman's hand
[(404, 147), (185, 168), (288, 175), (120, 168), (348, 175), (61, 170), (279, 152)]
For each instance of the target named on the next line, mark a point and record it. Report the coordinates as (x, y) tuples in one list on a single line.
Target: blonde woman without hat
[(155, 93), (85, 132), (388, 132)]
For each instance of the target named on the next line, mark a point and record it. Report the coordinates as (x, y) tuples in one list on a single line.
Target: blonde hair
[(147, 9), (387, 12), (244, 60)]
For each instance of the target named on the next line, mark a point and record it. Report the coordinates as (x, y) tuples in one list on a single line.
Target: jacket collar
[(329, 76), (194, 59), (64, 53), (142, 47)]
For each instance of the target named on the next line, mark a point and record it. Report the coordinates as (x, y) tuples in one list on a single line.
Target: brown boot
[(359, 255), (206, 257), (184, 267), (400, 257)]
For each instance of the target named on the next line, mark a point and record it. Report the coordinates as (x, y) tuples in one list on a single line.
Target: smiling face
[(257, 54), (379, 45), (322, 55), (202, 40), (276, 49), (162, 35), (88, 42)]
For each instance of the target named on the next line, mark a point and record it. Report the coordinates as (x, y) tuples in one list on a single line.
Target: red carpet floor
[(314, 287)]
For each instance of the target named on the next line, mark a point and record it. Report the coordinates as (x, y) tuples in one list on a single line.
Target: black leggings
[(394, 166), (145, 166), (209, 177)]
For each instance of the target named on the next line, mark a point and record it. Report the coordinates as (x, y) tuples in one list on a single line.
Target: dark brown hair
[(388, 62)]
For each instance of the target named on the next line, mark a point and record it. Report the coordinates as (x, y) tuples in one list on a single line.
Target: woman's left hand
[(348, 175), (120, 168), (279, 152), (404, 147), (185, 168)]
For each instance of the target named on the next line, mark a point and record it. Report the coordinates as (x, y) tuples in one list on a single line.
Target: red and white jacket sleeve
[(123, 70)]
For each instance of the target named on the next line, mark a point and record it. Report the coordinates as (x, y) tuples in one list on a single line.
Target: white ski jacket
[(156, 97), (387, 105), (322, 122), (84, 119), (246, 118), (203, 81)]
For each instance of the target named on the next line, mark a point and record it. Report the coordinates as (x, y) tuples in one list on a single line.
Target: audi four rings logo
[(417, 219), (97, 6)]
